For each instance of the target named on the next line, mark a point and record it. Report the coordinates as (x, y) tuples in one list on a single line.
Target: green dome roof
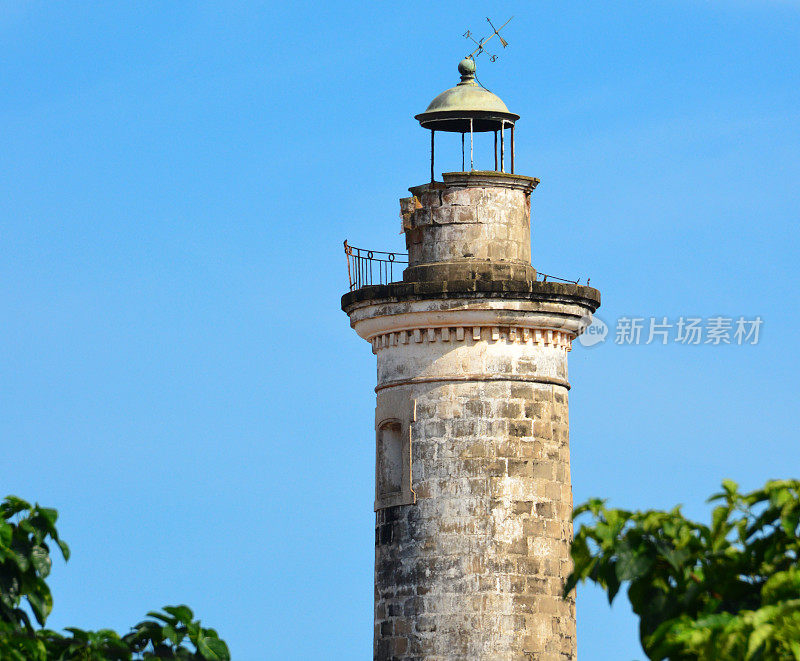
[(453, 108)]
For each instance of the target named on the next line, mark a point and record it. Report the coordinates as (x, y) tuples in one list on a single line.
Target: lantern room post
[(471, 158), (512, 149), (502, 145), (433, 131)]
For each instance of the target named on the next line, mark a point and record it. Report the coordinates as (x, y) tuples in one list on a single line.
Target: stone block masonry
[(474, 569), (469, 223)]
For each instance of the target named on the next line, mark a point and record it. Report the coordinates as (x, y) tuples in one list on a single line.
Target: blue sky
[(177, 377)]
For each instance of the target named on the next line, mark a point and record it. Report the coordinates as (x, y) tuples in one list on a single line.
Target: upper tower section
[(468, 233), (473, 224), (470, 108)]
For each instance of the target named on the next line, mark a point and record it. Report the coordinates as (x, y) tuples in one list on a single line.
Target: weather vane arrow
[(481, 45)]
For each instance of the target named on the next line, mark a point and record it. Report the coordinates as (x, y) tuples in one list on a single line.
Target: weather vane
[(482, 43)]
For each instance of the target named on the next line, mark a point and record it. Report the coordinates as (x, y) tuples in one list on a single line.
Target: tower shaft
[(473, 496)]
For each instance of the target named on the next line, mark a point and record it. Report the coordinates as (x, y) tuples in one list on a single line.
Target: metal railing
[(376, 267), (544, 277), (371, 267)]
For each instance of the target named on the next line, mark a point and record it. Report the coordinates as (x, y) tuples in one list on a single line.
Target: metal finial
[(467, 70)]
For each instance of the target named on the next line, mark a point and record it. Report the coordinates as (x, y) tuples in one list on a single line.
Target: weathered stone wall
[(474, 569), (469, 223)]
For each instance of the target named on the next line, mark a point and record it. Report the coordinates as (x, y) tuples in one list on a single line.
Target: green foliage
[(25, 564), (25, 561), (728, 590), (163, 639)]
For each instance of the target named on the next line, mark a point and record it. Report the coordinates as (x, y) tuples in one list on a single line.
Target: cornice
[(526, 290), (542, 337)]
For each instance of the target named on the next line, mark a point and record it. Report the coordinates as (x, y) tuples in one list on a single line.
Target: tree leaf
[(172, 635), (13, 505), (40, 558), (730, 486), (217, 649), (41, 602), (6, 534), (182, 613), (632, 564)]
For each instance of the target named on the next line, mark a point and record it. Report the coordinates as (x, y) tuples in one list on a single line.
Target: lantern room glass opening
[(448, 153)]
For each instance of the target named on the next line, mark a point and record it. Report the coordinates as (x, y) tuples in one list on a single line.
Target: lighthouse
[(473, 498)]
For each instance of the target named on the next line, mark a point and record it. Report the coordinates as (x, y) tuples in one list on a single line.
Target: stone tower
[(473, 497)]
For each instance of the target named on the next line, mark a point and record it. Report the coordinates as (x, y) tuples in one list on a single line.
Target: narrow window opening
[(390, 459)]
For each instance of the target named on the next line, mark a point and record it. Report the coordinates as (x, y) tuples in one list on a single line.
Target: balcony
[(376, 267), (372, 267)]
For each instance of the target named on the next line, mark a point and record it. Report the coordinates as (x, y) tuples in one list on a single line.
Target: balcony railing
[(372, 267), (375, 267), (543, 277)]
